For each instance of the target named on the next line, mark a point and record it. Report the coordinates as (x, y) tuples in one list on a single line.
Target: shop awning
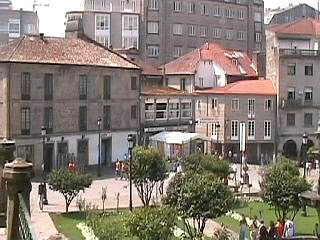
[(177, 137)]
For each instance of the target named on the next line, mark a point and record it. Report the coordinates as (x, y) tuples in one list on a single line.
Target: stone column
[(17, 176)]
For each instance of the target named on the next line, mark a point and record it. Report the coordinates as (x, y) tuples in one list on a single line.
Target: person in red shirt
[(72, 166), (280, 228)]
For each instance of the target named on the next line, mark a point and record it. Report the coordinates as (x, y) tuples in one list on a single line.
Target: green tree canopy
[(148, 167), (282, 185), (198, 197), (68, 183)]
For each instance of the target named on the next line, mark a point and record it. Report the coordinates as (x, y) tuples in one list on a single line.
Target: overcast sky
[(52, 18)]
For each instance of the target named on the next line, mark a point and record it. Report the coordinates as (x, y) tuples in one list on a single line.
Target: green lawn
[(305, 225)]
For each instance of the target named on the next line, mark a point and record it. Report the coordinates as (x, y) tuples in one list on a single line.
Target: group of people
[(122, 169), (259, 231), (309, 167)]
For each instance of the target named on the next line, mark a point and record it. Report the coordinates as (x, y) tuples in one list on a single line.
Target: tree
[(148, 168), (152, 223), (281, 186), (68, 183), (198, 197)]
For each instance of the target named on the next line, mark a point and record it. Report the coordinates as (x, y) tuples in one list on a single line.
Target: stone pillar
[(17, 176)]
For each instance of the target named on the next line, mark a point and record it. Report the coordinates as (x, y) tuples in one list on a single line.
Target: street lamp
[(217, 131), (44, 164), (304, 144), (130, 147), (99, 147)]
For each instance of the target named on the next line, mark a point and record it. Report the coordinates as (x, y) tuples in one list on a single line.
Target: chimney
[(41, 36)]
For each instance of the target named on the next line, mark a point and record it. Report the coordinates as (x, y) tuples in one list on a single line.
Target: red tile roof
[(188, 63), (165, 91), (249, 87), (69, 51), (147, 67), (306, 26)]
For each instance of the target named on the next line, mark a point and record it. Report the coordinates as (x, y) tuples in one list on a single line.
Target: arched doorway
[(290, 149)]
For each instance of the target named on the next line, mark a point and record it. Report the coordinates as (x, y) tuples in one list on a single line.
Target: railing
[(25, 230), (299, 52), (308, 103)]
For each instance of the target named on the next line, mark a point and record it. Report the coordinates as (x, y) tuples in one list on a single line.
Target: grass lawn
[(305, 225)]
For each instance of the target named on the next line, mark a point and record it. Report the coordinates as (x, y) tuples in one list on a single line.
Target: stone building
[(66, 85), (293, 62), (251, 102), (16, 23), (163, 30)]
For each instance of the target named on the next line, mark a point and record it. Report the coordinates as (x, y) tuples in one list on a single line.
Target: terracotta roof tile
[(147, 67), (187, 64), (70, 51), (249, 87)]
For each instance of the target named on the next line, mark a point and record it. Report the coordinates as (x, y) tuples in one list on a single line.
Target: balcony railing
[(308, 103), (299, 52), (292, 103)]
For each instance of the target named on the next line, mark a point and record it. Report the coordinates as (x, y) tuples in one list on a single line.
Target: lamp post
[(99, 147), (130, 147), (44, 164), (304, 153), (217, 131)]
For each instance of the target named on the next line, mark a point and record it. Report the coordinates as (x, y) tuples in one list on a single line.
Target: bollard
[(17, 176)]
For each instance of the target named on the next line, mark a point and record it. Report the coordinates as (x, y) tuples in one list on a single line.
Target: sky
[(52, 18)]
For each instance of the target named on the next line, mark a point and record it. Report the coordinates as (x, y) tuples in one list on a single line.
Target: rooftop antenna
[(35, 4)]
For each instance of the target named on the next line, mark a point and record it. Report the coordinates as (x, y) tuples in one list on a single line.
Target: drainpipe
[(8, 126)]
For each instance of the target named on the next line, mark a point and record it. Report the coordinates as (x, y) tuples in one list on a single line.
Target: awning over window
[(177, 137)]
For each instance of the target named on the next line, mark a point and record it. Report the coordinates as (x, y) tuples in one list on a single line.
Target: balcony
[(292, 103), (308, 103), (298, 52)]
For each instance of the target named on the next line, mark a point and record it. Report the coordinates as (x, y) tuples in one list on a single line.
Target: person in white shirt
[(289, 228), (234, 169), (317, 165)]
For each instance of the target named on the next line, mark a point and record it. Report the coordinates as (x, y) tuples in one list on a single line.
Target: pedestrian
[(263, 232), (317, 165), (120, 169), (179, 168), (234, 170), (272, 233), (72, 166), (289, 230), (280, 227), (117, 168), (316, 231), (255, 228), (125, 170), (244, 230)]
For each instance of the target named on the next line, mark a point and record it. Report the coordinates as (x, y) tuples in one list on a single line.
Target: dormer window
[(234, 61)]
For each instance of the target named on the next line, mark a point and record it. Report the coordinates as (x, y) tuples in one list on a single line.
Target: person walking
[(317, 165), (280, 227), (117, 168), (244, 230), (289, 230), (272, 233), (263, 232)]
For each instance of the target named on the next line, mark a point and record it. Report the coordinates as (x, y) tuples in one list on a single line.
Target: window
[(153, 27), (177, 6), (251, 108), (235, 104), (191, 7), (134, 4), (204, 9), (241, 35), (48, 119), (251, 130), (216, 11), (200, 80), (234, 129), (25, 86), (291, 94), (48, 86), (267, 104), (267, 130), (217, 32), (153, 51), (182, 84), (106, 118), (153, 4), (203, 31), (229, 13), (122, 3), (133, 83), (130, 22), (291, 119), (308, 69), (291, 69), (83, 87), (177, 51), (240, 14), (161, 109), (214, 131), (14, 27), (308, 119), (186, 109), (258, 37), (214, 103), (173, 109), (3, 27), (83, 119), (177, 29), (103, 4), (229, 34), (107, 87), (149, 110), (25, 121), (191, 30), (257, 16), (308, 96), (199, 105), (103, 40), (102, 22), (133, 112), (26, 152)]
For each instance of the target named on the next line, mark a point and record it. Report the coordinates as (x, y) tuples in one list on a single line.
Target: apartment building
[(168, 29), (16, 23), (209, 66), (293, 62), (219, 112), (66, 85)]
